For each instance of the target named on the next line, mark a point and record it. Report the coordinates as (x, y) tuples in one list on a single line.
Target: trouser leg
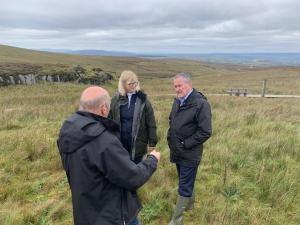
[(187, 177), (185, 199)]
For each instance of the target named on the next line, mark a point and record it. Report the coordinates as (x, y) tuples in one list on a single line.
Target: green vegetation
[(250, 173), (210, 78)]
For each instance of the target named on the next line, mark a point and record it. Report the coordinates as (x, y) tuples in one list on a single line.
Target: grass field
[(250, 172)]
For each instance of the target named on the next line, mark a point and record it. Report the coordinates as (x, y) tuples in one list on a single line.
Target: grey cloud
[(129, 14), (191, 25)]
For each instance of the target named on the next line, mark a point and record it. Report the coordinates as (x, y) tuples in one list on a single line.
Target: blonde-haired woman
[(132, 110)]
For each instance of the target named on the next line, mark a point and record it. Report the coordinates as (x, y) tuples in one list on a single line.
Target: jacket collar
[(140, 94), (109, 124), (191, 99)]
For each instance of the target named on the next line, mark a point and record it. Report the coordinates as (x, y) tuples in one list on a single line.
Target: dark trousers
[(186, 179)]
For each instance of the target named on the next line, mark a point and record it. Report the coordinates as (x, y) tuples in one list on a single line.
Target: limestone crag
[(77, 74)]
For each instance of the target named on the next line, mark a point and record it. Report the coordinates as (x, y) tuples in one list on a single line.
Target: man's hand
[(155, 154)]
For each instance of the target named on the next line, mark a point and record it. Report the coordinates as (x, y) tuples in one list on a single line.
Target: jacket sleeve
[(115, 164), (151, 124), (112, 106), (170, 117), (204, 129)]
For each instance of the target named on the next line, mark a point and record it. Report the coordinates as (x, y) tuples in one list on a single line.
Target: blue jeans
[(186, 179), (135, 222)]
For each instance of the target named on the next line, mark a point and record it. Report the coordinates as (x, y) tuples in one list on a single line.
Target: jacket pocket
[(175, 143), (179, 143)]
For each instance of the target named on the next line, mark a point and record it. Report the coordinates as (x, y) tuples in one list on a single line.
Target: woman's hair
[(127, 76)]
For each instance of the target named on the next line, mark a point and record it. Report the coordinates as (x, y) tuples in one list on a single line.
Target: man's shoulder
[(107, 136), (198, 98), (199, 95), (108, 142)]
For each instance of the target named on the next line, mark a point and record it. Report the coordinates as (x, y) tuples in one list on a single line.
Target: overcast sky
[(195, 26)]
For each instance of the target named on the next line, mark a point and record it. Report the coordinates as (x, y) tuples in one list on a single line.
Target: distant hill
[(243, 59), (23, 66), (92, 52), (143, 66), (247, 59), (18, 59), (96, 52)]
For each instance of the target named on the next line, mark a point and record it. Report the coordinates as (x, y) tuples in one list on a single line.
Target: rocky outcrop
[(77, 74), (28, 79)]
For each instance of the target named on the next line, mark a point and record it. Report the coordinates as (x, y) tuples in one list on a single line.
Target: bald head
[(95, 100)]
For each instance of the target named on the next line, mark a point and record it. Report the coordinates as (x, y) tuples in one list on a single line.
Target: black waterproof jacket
[(143, 126), (100, 173), (190, 127)]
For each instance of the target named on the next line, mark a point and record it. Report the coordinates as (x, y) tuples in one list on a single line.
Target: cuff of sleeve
[(153, 157)]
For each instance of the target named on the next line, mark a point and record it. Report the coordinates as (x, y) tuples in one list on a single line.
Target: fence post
[(264, 88)]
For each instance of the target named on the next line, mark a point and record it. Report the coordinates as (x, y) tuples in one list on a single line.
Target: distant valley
[(246, 59)]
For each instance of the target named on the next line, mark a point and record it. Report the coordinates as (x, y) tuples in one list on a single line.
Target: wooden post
[(264, 88)]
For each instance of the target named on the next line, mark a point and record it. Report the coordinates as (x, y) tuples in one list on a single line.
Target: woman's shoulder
[(142, 95), (115, 96)]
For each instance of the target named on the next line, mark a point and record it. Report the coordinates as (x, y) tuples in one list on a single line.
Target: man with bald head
[(101, 176)]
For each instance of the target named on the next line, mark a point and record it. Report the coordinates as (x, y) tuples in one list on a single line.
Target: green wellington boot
[(191, 203), (180, 207)]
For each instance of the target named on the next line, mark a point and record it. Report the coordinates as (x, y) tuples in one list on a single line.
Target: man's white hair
[(92, 105), (184, 75)]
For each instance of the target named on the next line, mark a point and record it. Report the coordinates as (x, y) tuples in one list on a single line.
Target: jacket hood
[(81, 128)]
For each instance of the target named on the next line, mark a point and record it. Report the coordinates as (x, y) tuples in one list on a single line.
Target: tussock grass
[(249, 173)]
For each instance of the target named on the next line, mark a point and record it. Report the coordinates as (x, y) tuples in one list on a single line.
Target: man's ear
[(104, 110)]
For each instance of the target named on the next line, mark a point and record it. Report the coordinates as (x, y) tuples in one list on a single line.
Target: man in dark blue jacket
[(190, 127), (101, 176)]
